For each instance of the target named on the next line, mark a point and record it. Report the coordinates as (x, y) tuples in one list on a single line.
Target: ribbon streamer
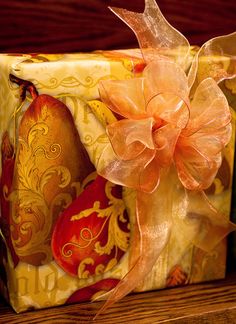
[(166, 131), (155, 35)]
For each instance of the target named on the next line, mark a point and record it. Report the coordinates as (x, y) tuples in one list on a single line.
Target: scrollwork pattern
[(117, 239), (71, 82), (32, 214), (113, 213)]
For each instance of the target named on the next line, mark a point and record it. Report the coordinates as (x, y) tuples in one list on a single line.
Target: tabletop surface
[(213, 302)]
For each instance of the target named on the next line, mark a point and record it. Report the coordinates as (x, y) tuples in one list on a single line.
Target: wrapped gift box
[(65, 232)]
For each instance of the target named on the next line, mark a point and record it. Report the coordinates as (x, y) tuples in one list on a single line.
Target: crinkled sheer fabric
[(173, 124), (155, 35)]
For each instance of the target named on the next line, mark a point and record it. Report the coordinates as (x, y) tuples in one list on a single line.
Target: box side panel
[(9, 101), (48, 134)]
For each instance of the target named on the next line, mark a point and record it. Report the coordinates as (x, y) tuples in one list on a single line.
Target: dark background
[(85, 25)]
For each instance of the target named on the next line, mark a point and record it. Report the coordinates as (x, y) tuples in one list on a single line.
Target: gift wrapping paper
[(65, 231)]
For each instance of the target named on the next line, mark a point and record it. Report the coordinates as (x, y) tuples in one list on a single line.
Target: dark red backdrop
[(84, 25)]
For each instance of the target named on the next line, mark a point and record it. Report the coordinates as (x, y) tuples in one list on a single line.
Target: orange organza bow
[(160, 127), (164, 139)]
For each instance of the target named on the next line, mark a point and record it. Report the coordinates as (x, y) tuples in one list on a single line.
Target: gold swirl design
[(53, 83), (88, 81), (61, 171), (83, 232), (88, 140), (72, 82), (116, 237), (54, 149), (82, 273), (99, 269), (36, 131), (89, 239), (32, 216)]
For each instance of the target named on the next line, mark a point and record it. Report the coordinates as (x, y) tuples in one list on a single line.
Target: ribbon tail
[(150, 236), (155, 35), (218, 61), (211, 225)]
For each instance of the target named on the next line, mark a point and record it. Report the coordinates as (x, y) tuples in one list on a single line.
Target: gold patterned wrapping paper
[(65, 233)]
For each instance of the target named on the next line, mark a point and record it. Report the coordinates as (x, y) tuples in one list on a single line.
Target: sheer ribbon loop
[(129, 138)]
